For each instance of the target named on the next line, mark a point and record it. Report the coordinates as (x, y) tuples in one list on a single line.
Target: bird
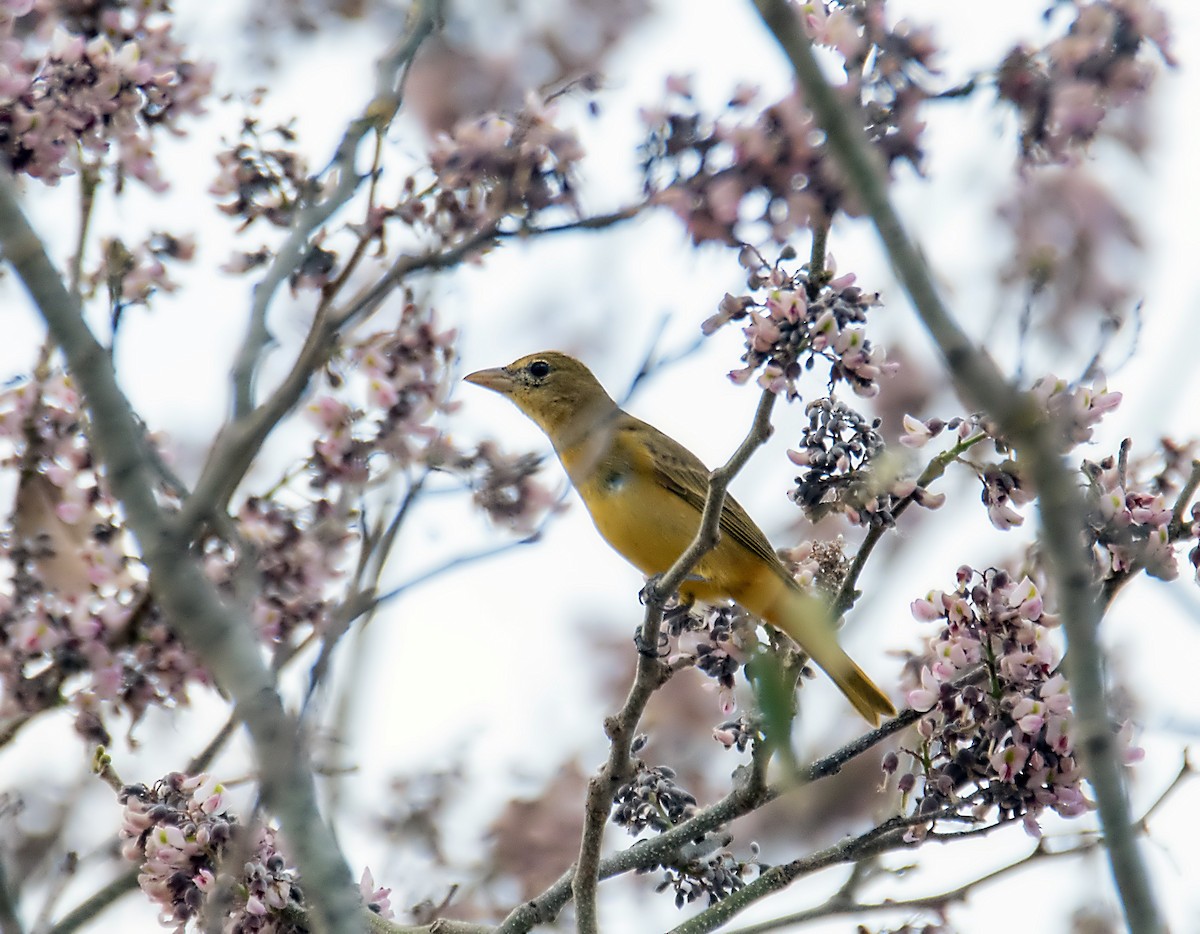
[(645, 493)]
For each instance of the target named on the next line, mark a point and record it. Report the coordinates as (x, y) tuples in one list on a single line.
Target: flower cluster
[(190, 846), (720, 637), (1073, 410), (715, 877), (1131, 522), (651, 799), (1071, 237), (401, 380), (506, 486), (492, 167), (132, 276), (1065, 91), (177, 831), (77, 81), (187, 841), (769, 167), (298, 555), (794, 318), (78, 607), (1003, 740), (262, 175), (846, 469)]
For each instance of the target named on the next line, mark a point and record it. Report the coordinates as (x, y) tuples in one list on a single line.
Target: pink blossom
[(1009, 761)]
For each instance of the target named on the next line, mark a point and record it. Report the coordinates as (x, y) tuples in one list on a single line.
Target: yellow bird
[(645, 492)]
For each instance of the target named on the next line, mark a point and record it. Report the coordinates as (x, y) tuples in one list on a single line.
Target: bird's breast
[(649, 526)]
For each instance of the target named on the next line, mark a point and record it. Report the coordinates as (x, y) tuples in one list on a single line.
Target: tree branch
[(1061, 503), (843, 903), (10, 923), (216, 633), (888, 835)]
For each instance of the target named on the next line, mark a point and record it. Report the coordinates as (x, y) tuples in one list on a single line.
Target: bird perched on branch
[(646, 491)]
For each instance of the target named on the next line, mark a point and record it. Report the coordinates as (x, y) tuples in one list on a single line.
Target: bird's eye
[(539, 369)]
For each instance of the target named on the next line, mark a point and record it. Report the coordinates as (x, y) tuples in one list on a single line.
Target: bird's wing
[(679, 470)]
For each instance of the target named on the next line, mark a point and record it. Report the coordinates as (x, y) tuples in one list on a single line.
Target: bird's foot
[(650, 589), (657, 652)]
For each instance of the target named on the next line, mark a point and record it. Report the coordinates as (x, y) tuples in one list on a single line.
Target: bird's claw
[(656, 652), (651, 586)]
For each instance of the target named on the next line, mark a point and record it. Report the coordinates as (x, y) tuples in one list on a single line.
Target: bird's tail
[(806, 621)]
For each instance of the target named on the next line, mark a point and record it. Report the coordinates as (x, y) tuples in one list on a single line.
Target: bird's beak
[(496, 379)]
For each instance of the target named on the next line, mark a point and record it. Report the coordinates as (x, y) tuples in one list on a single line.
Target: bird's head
[(555, 390)]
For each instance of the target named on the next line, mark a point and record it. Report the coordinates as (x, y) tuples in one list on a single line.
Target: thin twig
[(313, 214), (88, 909), (407, 265), (204, 758), (1061, 502)]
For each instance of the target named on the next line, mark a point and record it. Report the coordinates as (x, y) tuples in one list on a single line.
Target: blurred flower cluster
[(78, 80), (794, 318), (887, 68), (298, 555), (506, 486), (1002, 741), (263, 174), (486, 170), (492, 167), (131, 276), (767, 166), (383, 415), (398, 383), (1066, 90), (1074, 245), (196, 858), (77, 623), (1075, 409)]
